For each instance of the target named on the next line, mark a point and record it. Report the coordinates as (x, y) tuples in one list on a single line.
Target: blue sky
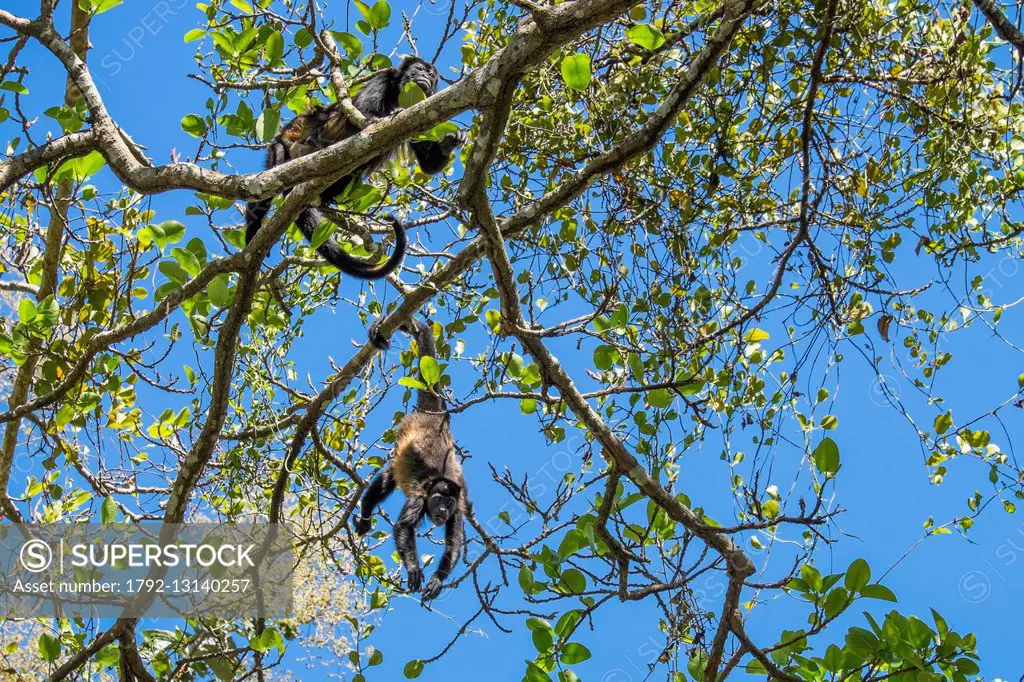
[(141, 63)]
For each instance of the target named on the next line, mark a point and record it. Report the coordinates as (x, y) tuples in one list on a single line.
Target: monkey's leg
[(405, 539), (454, 535), (380, 488), (433, 157)]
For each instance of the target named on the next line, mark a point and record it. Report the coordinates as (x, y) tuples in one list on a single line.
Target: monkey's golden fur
[(424, 452)]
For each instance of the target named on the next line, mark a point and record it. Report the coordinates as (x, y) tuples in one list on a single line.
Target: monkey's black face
[(421, 73), (442, 501)]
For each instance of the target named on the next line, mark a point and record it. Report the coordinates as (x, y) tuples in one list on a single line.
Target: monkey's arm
[(433, 157), (381, 486), (454, 535), (405, 539)]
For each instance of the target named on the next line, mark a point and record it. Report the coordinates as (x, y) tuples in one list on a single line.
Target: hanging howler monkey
[(324, 126), (425, 466)]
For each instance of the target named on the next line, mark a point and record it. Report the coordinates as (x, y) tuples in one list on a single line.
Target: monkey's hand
[(432, 589), (362, 525), (453, 140), (376, 337), (415, 579)]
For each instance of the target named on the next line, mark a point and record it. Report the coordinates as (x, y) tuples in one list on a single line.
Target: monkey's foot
[(432, 589)]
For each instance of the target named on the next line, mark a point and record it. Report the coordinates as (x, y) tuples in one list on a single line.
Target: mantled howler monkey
[(425, 466), (323, 126)]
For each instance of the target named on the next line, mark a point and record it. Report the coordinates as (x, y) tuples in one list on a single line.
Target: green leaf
[(165, 233), (526, 579), (605, 357), (409, 382), (267, 640), (534, 673), (697, 664), (812, 577), (878, 591), (86, 166), (108, 510), (861, 642), (755, 335), (574, 541), (49, 647), (573, 653), (219, 292), (567, 623), (943, 422), (108, 655), (410, 95), (174, 272), (353, 46), (187, 260), (268, 123), (429, 370), (194, 34), (636, 367), (377, 16), (826, 456), (528, 405), (363, 8), (98, 6), (836, 601), (857, 575), (574, 582), (542, 640), (194, 125), (576, 71), (26, 310), (413, 669), (324, 231), (274, 48), (660, 397), (514, 364), (646, 36), (14, 86)]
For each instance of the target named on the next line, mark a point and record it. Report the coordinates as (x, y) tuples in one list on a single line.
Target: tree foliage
[(676, 223)]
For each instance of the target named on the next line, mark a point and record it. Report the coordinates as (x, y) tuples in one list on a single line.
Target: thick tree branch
[(1006, 30), (68, 146), (527, 48)]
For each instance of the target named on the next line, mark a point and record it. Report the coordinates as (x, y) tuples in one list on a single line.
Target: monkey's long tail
[(423, 332), (336, 256)]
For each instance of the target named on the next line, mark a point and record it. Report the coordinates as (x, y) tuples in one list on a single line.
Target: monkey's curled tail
[(336, 256)]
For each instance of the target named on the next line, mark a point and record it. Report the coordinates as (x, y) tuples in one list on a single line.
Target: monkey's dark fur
[(425, 466), (324, 126)]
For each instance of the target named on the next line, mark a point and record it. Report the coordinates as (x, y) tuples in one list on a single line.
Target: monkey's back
[(424, 451)]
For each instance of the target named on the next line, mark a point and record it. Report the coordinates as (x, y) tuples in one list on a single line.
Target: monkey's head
[(421, 73), (442, 500)]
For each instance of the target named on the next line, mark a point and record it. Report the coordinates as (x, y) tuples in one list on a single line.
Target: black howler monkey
[(425, 466), (323, 126)]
